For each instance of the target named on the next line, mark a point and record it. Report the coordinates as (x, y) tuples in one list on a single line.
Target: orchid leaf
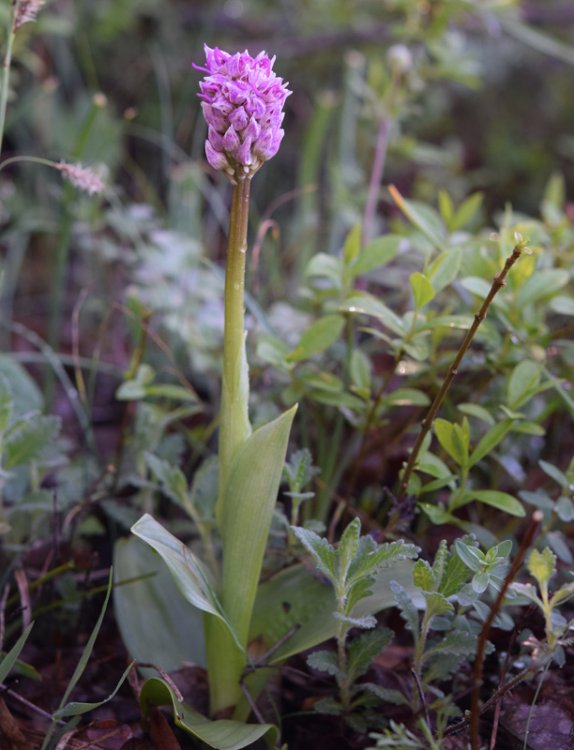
[(297, 608), (191, 577), (157, 624), (248, 502), (222, 734)]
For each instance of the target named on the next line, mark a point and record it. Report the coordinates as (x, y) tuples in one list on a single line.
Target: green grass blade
[(10, 659)]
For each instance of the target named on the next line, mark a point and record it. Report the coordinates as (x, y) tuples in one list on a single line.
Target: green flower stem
[(225, 665), (28, 159), (225, 661), (234, 426), (497, 284), (7, 62)]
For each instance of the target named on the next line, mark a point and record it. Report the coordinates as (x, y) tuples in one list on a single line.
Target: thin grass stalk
[(64, 242), (6, 65)]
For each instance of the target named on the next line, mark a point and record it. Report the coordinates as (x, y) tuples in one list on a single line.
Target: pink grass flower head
[(83, 178), (243, 106), (26, 11)]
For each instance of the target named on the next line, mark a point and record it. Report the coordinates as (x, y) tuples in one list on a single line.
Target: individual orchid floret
[(26, 11), (243, 106)]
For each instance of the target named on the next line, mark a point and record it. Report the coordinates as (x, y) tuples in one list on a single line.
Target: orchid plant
[(242, 102)]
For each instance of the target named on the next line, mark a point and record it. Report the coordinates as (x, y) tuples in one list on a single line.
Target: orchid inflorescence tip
[(242, 104)]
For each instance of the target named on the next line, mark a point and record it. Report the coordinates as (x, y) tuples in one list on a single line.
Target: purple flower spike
[(243, 106)]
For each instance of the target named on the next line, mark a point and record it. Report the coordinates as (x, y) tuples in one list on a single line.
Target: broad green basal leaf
[(248, 502), (297, 606), (222, 734), (191, 577), (157, 624)]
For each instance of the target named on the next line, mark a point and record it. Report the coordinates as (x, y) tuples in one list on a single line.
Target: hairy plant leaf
[(455, 575), (366, 621), (323, 553), (387, 695), (409, 611), (324, 661), (347, 549), (28, 438), (363, 649), (470, 555), (542, 565), (423, 576), (171, 478), (437, 604), (457, 642), (439, 563), (295, 609), (373, 557), (25, 395), (564, 593)]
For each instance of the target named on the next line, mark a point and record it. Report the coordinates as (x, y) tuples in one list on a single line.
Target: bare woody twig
[(497, 284), (525, 544)]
